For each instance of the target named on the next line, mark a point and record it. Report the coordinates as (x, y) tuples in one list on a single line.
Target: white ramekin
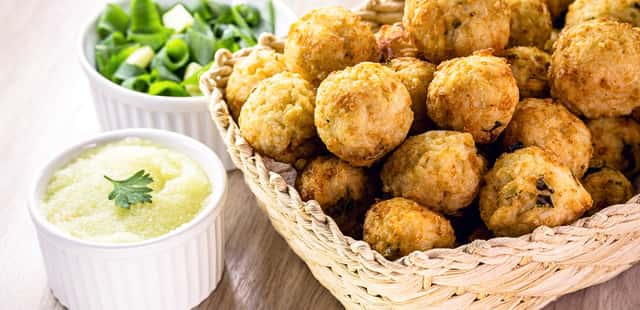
[(118, 107), (174, 271)]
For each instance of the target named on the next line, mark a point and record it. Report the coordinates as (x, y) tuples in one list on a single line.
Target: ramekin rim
[(215, 200)]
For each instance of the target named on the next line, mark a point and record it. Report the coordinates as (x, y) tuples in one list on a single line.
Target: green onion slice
[(139, 83), (201, 41), (127, 70), (161, 72), (272, 16), (114, 19), (175, 54), (167, 88), (145, 17)]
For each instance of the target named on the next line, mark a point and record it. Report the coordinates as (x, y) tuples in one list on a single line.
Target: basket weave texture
[(527, 272)]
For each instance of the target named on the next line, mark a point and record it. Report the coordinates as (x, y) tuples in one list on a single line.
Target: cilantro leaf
[(131, 191)]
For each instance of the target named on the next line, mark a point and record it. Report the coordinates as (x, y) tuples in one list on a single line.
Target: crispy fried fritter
[(362, 113), (398, 226), (529, 188), (447, 29), (328, 39), (476, 94)]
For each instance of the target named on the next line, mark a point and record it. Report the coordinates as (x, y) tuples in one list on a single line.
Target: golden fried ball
[(627, 11), (394, 41), (328, 39), (416, 75), (333, 183), (477, 94), (398, 226), (607, 187), (530, 67), (439, 169), (558, 7), (362, 113), (246, 75), (447, 29), (530, 23), (595, 69), (550, 126), (344, 192), (277, 119), (529, 188), (616, 142)]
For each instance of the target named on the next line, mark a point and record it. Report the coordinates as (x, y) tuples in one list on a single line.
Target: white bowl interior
[(207, 159)]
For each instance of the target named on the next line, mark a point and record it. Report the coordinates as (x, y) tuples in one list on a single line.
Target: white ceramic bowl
[(118, 107), (174, 271)]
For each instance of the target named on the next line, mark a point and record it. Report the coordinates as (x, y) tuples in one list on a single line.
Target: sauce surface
[(76, 197)]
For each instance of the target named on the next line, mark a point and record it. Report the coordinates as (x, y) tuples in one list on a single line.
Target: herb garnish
[(131, 191), (544, 196)]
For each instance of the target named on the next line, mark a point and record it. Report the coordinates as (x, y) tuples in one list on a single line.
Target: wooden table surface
[(45, 105)]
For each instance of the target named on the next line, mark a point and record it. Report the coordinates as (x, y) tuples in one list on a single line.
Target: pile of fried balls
[(469, 119)]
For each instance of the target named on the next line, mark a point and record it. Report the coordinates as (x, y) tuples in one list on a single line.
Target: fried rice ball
[(332, 183), (344, 192), (476, 94), (595, 69), (550, 126), (416, 75), (530, 23), (394, 41), (439, 169), (277, 119), (362, 113), (448, 29), (246, 75), (627, 11), (326, 40), (607, 187), (616, 142), (529, 188), (558, 7), (399, 226), (529, 66)]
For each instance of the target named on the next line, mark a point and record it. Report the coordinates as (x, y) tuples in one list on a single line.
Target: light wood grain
[(46, 105)]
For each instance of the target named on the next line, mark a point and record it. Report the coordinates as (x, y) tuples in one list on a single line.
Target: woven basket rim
[(616, 220)]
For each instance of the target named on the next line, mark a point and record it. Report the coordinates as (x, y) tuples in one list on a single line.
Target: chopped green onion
[(250, 14), (115, 60), (141, 57), (247, 33), (154, 40), (139, 83), (201, 41), (145, 17), (127, 70), (161, 72), (192, 68), (175, 54), (221, 12), (177, 18), (114, 19), (272, 16), (167, 88)]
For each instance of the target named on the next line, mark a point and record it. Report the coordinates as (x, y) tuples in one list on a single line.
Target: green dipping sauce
[(77, 201)]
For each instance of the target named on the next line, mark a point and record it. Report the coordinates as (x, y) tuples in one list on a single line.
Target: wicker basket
[(501, 273)]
